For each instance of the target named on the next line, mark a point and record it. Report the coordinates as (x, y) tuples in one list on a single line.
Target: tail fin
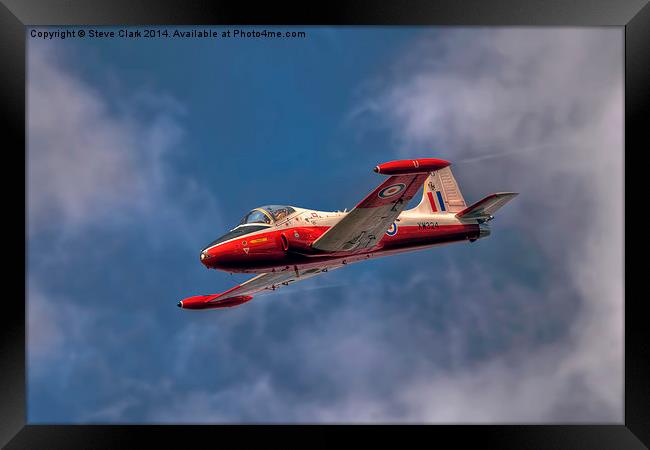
[(441, 194), (483, 209)]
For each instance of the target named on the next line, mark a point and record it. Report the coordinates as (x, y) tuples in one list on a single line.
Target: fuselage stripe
[(433, 204), (442, 203)]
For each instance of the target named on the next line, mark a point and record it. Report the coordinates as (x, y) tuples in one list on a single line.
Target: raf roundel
[(392, 230), (391, 190)]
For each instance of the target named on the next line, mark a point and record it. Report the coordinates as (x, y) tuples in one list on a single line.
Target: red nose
[(209, 257), (204, 257)]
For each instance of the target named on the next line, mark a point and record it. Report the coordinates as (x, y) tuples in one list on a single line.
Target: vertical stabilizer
[(441, 194)]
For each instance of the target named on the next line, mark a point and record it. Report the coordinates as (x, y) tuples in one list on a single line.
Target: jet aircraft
[(286, 244)]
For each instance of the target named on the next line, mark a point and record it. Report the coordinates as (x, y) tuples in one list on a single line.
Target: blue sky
[(142, 151)]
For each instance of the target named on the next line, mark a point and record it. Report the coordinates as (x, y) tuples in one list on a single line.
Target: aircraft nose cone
[(206, 258), (180, 304), (210, 258)]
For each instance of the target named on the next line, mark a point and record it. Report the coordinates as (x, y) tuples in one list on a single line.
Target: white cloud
[(97, 163), (96, 157), (54, 329), (253, 399)]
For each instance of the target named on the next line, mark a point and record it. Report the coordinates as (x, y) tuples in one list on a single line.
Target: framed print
[(464, 165)]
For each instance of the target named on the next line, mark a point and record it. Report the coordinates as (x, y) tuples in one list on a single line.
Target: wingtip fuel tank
[(406, 166)]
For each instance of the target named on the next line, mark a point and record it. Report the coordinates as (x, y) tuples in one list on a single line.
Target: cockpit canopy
[(267, 214), (256, 220)]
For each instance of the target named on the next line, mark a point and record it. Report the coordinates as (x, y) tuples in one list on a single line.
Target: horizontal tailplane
[(485, 208)]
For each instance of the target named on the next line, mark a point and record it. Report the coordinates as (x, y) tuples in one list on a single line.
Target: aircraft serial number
[(427, 225)]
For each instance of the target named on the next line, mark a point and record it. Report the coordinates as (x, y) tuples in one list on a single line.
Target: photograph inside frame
[(276, 156)]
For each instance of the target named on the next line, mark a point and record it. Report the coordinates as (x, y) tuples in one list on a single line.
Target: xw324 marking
[(427, 225)]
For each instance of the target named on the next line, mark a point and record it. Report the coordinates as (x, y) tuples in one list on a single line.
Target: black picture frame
[(16, 15)]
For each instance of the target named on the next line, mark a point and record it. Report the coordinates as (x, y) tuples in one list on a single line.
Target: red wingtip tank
[(203, 302), (405, 166)]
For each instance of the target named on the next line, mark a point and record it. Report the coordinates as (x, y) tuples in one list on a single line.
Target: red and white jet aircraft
[(285, 244)]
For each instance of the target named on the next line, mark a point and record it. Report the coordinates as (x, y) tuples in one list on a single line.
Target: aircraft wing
[(244, 292), (365, 225)]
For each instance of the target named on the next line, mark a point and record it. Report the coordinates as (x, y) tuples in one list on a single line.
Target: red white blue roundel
[(391, 190), (392, 230)]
